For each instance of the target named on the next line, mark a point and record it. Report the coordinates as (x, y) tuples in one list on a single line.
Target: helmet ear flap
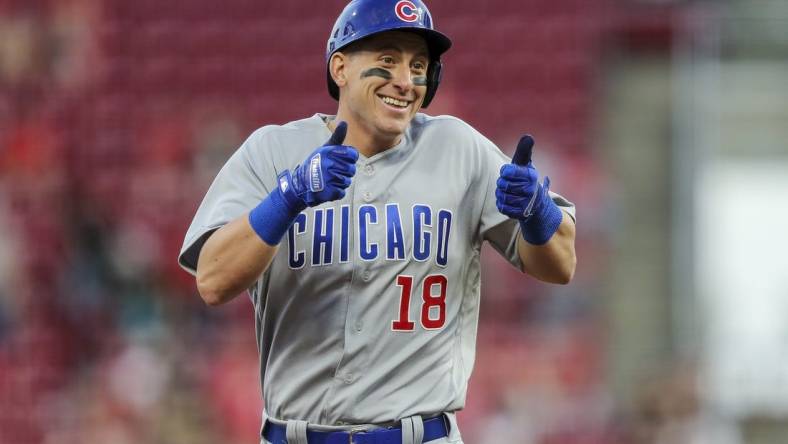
[(434, 76)]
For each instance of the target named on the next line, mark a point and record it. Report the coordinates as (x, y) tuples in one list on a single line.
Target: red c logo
[(407, 11)]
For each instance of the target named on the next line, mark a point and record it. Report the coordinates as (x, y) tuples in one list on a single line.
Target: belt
[(434, 428)]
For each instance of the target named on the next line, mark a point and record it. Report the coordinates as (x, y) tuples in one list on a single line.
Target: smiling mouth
[(397, 103)]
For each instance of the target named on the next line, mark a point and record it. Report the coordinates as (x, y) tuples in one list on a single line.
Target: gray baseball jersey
[(368, 312)]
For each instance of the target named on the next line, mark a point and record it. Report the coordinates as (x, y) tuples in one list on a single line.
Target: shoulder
[(452, 130), (442, 123), (282, 144), (271, 135)]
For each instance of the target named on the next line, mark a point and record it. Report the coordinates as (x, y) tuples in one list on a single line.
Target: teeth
[(395, 102)]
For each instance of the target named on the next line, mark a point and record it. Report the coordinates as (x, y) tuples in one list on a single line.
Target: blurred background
[(665, 122)]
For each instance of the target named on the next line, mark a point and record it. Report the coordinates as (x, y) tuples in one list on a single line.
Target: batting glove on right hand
[(520, 196), (323, 176)]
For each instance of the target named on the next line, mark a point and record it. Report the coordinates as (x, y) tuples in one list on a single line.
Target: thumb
[(522, 156), (339, 135)]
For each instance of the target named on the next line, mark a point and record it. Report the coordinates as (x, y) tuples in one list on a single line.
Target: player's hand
[(519, 195), (324, 175), (518, 187)]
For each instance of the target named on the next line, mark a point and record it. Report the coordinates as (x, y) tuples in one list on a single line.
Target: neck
[(366, 140)]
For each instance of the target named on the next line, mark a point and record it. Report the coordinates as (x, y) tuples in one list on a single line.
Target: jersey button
[(359, 326), (369, 170), (366, 276), (349, 378), (367, 196)]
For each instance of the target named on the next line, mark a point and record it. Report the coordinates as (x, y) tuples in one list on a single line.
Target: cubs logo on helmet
[(407, 11)]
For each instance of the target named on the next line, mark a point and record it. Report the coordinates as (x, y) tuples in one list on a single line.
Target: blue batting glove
[(322, 177), (520, 196)]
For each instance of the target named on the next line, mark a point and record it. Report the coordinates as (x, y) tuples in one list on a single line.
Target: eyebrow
[(390, 47)]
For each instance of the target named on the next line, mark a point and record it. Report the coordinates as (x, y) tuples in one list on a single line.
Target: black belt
[(434, 428)]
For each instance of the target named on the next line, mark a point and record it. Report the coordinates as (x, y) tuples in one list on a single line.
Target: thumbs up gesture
[(323, 176), (520, 196)]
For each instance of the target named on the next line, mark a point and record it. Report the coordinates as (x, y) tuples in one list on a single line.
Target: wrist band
[(273, 216), (545, 218)]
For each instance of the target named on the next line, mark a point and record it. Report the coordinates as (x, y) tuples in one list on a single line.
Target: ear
[(337, 67)]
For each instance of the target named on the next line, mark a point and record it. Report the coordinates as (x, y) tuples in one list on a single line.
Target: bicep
[(239, 186)]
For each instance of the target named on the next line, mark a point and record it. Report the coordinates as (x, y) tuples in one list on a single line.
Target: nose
[(402, 79)]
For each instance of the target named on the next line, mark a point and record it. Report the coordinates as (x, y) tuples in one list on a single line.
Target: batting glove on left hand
[(520, 196)]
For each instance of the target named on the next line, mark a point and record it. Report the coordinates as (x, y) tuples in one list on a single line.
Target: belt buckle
[(353, 432)]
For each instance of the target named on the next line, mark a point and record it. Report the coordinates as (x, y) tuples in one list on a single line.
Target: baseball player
[(357, 236)]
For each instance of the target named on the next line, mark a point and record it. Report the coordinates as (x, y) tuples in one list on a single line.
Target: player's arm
[(231, 260), (235, 256), (554, 261), (546, 244)]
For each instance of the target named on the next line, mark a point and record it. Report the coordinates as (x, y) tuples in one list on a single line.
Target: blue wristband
[(276, 213), (539, 230), (540, 225)]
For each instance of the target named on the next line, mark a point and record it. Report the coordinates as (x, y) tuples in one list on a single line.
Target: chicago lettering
[(389, 232)]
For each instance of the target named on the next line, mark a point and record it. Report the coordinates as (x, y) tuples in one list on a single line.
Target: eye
[(388, 60), (419, 66)]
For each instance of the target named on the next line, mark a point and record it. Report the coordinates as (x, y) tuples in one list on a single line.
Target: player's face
[(386, 82)]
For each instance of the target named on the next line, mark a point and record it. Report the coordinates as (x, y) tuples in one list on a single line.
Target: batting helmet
[(364, 18)]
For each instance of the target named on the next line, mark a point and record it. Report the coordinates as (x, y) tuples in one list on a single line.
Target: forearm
[(231, 260), (235, 256), (553, 261)]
